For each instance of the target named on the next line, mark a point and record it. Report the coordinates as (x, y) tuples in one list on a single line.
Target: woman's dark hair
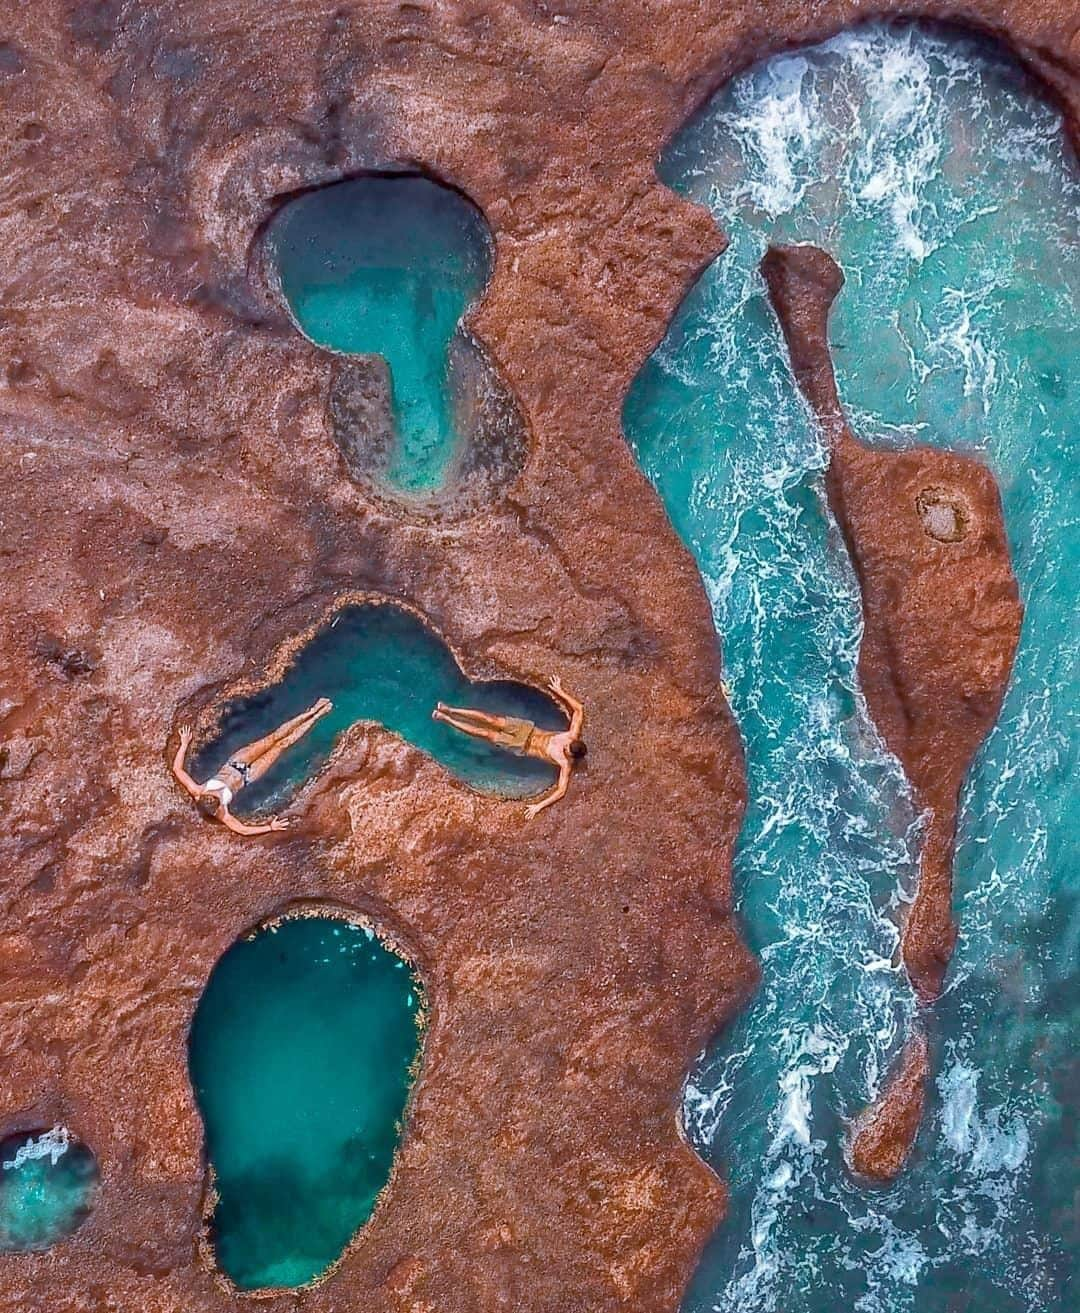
[(209, 804), (578, 749)]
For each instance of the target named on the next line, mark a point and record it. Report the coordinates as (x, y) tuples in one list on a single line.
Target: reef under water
[(387, 265), (47, 1184), (942, 182), (380, 663), (302, 1054)]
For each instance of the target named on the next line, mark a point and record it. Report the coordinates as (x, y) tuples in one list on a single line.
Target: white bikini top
[(220, 788)]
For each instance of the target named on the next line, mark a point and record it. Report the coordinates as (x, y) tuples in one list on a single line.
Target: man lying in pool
[(243, 767), (564, 749)]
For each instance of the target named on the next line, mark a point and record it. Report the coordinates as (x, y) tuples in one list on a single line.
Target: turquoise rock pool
[(47, 1186), (932, 170), (380, 663), (302, 1054), (387, 265)]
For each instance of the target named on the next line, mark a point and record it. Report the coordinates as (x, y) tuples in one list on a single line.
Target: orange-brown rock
[(941, 609), (941, 621), (883, 1134), (174, 507)]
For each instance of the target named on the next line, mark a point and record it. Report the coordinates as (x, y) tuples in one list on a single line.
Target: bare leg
[(251, 752), (260, 766), (456, 716), (471, 727)]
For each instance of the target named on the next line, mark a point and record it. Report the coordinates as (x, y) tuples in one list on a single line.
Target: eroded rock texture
[(941, 609), (175, 506), (883, 1135)]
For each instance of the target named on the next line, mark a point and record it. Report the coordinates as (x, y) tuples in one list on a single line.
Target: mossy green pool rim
[(455, 501), (395, 941)]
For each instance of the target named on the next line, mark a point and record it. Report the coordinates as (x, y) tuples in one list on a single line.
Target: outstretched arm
[(178, 764), (238, 827), (572, 705), (559, 791)]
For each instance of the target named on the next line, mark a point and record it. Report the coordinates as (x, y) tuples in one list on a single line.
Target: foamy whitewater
[(932, 170), (51, 1144), (47, 1185)]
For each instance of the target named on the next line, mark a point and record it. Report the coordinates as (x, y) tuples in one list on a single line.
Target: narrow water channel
[(942, 182)]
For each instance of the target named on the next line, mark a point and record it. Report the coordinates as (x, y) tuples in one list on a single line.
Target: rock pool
[(387, 265), (380, 663), (302, 1054), (47, 1185)]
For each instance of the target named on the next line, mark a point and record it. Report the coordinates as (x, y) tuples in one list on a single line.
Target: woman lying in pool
[(564, 749), (243, 767)]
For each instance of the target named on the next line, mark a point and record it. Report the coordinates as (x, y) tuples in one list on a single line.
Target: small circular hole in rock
[(944, 514), (48, 1179)]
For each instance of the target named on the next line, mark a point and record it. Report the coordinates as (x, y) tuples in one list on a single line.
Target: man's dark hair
[(578, 749)]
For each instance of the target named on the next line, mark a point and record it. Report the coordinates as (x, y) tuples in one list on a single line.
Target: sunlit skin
[(244, 767), (562, 748)]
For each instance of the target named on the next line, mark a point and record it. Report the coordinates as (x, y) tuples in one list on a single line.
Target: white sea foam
[(52, 1144), (775, 121), (990, 1141), (902, 146)]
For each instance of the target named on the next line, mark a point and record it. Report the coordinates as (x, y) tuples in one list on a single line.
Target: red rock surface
[(174, 509), (882, 1136), (941, 621), (941, 609)]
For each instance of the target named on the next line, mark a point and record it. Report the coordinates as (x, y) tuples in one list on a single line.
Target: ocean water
[(942, 182), (388, 265), (379, 663), (301, 1055), (47, 1184)]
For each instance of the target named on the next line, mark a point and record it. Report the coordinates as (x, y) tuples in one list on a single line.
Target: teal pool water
[(388, 265), (928, 166), (47, 1185), (301, 1055), (380, 663)]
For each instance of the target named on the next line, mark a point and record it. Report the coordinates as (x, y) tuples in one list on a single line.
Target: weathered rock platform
[(174, 508)]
